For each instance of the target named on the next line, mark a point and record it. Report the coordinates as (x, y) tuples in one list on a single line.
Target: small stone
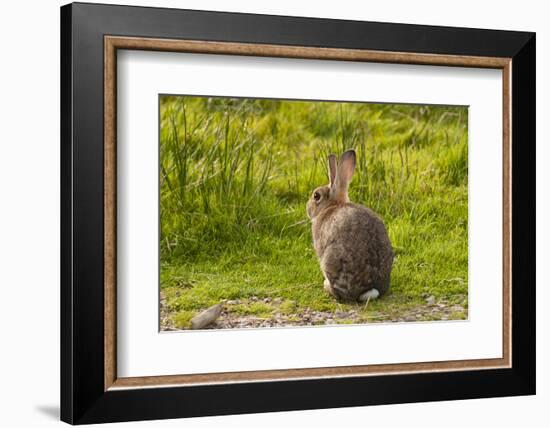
[(430, 300), (206, 317)]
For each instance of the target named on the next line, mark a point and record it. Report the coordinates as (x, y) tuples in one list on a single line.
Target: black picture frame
[(83, 398)]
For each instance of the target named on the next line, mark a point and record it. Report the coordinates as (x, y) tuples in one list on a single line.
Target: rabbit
[(351, 241)]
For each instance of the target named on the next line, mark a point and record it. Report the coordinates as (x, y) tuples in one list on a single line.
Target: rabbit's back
[(354, 250)]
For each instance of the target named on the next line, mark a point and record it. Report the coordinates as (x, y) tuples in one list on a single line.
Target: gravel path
[(230, 318)]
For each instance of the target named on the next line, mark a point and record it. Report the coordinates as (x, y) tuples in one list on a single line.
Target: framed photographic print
[(265, 213)]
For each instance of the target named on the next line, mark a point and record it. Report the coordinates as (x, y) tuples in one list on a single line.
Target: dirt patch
[(166, 322)]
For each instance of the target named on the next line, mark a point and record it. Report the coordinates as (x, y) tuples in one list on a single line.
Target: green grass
[(235, 178)]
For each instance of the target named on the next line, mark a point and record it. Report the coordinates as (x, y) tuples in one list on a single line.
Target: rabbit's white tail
[(369, 295)]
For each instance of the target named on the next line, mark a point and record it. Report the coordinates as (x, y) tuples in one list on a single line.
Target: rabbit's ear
[(346, 166), (332, 169)]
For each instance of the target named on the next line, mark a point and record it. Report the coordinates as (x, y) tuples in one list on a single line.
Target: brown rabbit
[(351, 241)]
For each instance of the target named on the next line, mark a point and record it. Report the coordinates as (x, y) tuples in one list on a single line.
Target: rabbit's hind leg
[(372, 294), (336, 280)]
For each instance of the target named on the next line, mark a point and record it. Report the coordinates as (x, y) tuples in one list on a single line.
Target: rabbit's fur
[(351, 241)]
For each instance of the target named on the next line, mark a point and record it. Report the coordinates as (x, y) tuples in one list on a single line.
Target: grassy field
[(235, 176)]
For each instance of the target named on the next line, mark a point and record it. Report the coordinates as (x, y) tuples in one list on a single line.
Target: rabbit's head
[(336, 192)]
